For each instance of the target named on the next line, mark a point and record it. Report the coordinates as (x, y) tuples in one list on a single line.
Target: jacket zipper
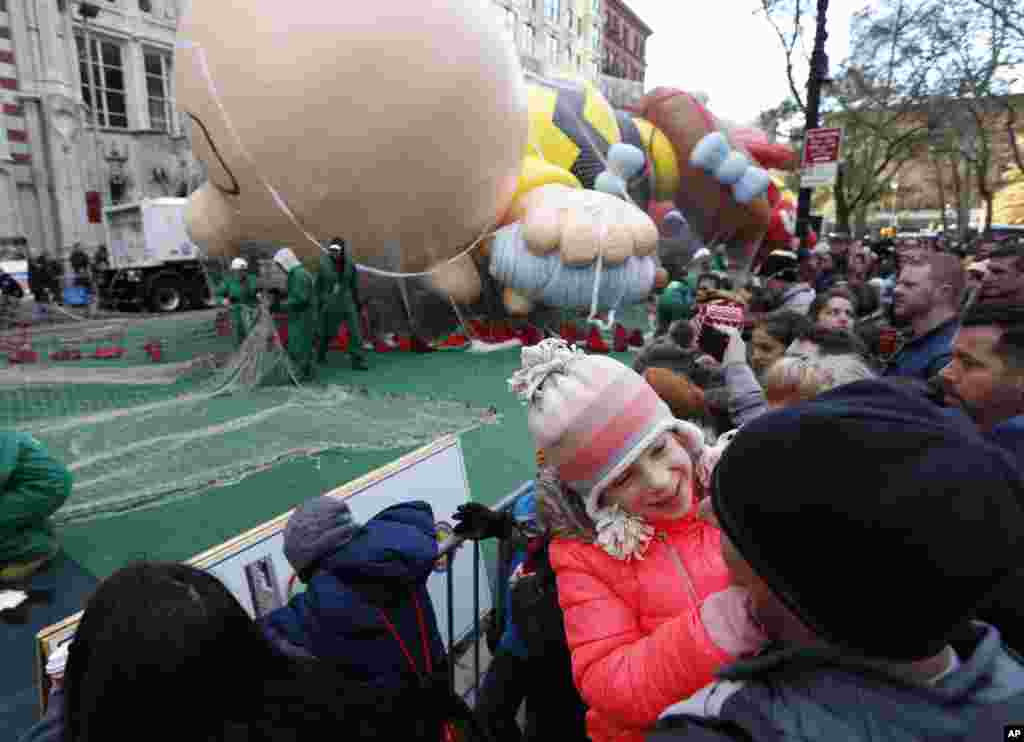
[(680, 567)]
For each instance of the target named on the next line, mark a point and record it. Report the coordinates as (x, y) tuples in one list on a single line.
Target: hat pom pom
[(539, 362), (622, 535)]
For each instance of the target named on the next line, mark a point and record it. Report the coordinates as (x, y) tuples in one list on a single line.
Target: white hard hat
[(239, 264), (286, 259), (702, 254)]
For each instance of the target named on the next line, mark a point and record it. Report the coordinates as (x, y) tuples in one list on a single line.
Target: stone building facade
[(64, 159), (555, 37)]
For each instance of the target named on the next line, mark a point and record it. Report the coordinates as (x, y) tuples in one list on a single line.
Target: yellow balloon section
[(1008, 204)]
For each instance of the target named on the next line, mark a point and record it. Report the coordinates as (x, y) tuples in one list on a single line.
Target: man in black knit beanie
[(863, 572)]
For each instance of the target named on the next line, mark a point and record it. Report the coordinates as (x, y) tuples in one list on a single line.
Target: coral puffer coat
[(634, 628)]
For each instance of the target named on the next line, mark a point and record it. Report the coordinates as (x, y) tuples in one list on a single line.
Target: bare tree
[(971, 93), (787, 19), (877, 100), (1009, 15)]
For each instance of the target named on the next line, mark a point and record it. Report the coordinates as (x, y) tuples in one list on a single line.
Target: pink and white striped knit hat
[(609, 409)]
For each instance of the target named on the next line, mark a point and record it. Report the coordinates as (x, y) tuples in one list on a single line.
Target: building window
[(570, 18), (553, 48), (104, 96), (596, 31), (158, 90), (529, 40), (579, 63), (597, 6), (568, 56), (552, 10), (579, 26)]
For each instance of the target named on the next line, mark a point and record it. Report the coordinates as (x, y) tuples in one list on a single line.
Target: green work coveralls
[(302, 314), (241, 292), (338, 295), (33, 485)]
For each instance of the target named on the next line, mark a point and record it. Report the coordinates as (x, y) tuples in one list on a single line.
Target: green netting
[(143, 434)]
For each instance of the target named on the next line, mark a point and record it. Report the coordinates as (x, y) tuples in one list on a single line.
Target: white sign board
[(819, 176), (255, 570)]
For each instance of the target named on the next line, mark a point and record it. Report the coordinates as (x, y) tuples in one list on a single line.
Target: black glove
[(478, 522)]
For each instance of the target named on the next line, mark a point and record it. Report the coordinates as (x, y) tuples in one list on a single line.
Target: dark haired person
[(875, 648), (986, 374), (166, 653), (1004, 277), (927, 296), (747, 398), (835, 309), (780, 271)]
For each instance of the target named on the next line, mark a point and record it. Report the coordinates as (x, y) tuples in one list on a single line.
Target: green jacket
[(676, 302), (301, 295), (239, 290), (337, 291), (33, 485)]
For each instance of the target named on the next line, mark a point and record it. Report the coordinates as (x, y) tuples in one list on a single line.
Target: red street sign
[(94, 207), (821, 146)]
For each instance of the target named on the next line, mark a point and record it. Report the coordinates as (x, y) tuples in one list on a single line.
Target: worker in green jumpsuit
[(300, 307), (33, 485), (239, 291), (337, 290)]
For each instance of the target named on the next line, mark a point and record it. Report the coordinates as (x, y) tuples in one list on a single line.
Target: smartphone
[(713, 342)]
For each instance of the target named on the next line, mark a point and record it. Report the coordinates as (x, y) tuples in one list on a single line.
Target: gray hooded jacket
[(815, 694)]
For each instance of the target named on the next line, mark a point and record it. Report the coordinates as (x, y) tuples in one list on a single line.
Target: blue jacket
[(339, 616), (808, 695), (923, 357), (1009, 435), (51, 727), (524, 510)]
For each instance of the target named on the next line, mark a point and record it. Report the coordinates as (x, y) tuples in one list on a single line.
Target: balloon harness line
[(282, 205)]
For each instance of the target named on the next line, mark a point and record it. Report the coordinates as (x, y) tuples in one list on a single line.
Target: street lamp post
[(818, 76)]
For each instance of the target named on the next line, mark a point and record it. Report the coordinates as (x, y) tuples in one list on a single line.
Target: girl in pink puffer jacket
[(649, 611)]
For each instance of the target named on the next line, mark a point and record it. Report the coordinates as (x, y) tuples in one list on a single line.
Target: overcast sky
[(722, 48)]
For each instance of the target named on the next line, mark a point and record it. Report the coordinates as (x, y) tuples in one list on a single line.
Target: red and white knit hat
[(725, 314), (612, 414)]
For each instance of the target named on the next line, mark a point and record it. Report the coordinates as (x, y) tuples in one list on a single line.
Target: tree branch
[(788, 46)]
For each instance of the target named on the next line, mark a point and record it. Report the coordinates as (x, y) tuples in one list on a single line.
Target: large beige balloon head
[(398, 124)]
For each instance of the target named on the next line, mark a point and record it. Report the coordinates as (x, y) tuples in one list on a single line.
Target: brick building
[(926, 188), (625, 42)]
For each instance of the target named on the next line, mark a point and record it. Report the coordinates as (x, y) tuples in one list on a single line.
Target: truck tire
[(166, 293)]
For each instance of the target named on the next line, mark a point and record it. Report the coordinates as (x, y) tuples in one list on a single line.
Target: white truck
[(153, 263)]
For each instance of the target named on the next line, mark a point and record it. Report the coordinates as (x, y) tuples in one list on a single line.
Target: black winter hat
[(780, 264), (883, 522)]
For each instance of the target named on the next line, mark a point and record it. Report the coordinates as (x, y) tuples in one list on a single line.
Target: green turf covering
[(499, 456)]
